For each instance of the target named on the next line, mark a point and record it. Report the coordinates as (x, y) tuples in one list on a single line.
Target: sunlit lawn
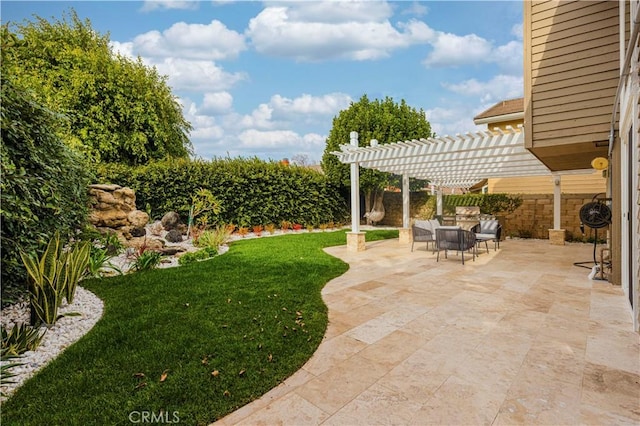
[(223, 332)]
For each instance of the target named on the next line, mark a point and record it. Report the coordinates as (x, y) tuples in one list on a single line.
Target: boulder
[(172, 251), (149, 243), (173, 236), (138, 231), (170, 221), (108, 218), (138, 218)]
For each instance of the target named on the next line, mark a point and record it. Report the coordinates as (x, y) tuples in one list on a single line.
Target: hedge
[(250, 191)]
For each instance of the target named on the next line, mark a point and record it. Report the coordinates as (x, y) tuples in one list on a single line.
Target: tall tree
[(383, 120), (116, 109)]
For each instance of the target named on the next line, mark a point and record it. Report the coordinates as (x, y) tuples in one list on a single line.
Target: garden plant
[(200, 340)]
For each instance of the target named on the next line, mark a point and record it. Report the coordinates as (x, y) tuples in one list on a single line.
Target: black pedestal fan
[(596, 215)]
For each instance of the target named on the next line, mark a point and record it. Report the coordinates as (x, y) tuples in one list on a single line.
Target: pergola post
[(405, 231), (439, 203), (556, 235), (355, 238)]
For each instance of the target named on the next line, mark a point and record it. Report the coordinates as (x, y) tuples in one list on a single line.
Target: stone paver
[(520, 336)]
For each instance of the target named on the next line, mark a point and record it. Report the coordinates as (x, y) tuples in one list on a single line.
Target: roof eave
[(499, 118)]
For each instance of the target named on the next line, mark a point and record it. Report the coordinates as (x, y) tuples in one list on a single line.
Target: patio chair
[(488, 230), (459, 240), (423, 231)]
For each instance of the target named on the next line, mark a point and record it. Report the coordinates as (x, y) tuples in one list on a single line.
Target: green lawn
[(254, 315)]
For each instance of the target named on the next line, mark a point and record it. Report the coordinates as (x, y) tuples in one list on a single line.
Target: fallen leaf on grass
[(215, 373), (270, 358), (141, 385), (139, 375), (163, 376), (205, 361), (226, 393), (241, 373)]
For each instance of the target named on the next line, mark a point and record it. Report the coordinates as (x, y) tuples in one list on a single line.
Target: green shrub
[(214, 238), (53, 277), (43, 185), (20, 339), (146, 260), (195, 256), (249, 191), (489, 203)]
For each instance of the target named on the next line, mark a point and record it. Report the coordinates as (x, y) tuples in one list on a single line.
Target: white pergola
[(447, 162)]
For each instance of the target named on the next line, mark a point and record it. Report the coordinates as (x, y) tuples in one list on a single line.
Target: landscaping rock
[(114, 208), (172, 251), (173, 236), (138, 218), (149, 243), (138, 231), (170, 221)]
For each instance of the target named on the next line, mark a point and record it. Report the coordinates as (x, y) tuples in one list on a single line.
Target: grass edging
[(254, 316)]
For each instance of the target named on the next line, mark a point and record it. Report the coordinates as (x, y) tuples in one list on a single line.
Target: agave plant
[(53, 277), (77, 260), (5, 373), (20, 339)]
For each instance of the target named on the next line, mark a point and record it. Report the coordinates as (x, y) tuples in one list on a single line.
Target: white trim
[(500, 118)]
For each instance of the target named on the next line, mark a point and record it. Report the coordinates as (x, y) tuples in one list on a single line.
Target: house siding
[(571, 75), (570, 184)]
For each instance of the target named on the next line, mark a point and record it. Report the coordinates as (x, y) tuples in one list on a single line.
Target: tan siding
[(585, 84), (571, 184), (568, 24), (571, 112), (588, 65), (575, 40), (563, 52), (590, 99), (571, 74)]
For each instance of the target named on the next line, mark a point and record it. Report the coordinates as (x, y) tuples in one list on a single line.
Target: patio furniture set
[(455, 237)]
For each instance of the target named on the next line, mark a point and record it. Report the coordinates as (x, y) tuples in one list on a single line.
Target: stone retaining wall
[(532, 219)]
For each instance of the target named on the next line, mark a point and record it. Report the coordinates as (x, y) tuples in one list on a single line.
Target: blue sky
[(266, 79)]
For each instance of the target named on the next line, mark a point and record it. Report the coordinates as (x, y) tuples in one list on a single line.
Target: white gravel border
[(66, 331)]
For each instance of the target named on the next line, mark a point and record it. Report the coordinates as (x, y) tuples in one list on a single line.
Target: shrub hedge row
[(250, 191)]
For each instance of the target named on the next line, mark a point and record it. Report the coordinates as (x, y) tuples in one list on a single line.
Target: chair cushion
[(488, 226), (485, 236), (424, 224), (434, 224)]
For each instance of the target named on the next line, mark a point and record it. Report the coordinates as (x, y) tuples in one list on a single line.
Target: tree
[(43, 184), (116, 109), (383, 120)]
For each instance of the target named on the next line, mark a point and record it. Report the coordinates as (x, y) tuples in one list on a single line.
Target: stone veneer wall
[(533, 218)]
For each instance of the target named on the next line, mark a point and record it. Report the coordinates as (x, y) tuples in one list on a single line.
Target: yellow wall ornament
[(599, 163)]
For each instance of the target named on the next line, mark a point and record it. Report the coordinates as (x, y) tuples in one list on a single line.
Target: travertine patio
[(520, 336)]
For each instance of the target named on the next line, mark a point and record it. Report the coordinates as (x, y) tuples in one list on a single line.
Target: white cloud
[(509, 57), (454, 50), (213, 41), (150, 5), (517, 30), (259, 118), (417, 9), (280, 139), (452, 120), (328, 104), (217, 103), (297, 31), (498, 88), (203, 76), (122, 49), (333, 12)]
